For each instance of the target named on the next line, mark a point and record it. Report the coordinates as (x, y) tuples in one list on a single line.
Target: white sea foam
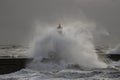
[(74, 45)]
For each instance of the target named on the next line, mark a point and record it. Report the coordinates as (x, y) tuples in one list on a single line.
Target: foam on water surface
[(67, 74), (73, 44)]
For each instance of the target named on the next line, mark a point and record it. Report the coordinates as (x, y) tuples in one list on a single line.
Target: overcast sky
[(18, 16)]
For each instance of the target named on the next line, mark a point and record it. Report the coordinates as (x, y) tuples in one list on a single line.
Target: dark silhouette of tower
[(60, 28)]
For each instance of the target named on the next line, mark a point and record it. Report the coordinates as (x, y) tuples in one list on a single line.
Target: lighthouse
[(59, 28)]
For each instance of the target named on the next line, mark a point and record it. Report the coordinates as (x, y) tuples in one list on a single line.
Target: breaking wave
[(73, 44)]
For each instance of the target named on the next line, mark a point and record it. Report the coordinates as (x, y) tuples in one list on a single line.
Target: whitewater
[(67, 53), (73, 44)]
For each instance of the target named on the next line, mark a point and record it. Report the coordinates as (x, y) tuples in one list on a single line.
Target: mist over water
[(72, 44)]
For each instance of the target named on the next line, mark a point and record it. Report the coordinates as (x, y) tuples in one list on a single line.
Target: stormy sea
[(63, 53)]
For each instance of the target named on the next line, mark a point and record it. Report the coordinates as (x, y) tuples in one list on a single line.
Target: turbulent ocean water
[(68, 54), (55, 71), (59, 72), (65, 74)]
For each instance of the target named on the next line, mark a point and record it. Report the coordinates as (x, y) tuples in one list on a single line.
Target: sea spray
[(74, 45)]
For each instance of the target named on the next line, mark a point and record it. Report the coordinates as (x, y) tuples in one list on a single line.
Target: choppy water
[(75, 46), (66, 74), (63, 74)]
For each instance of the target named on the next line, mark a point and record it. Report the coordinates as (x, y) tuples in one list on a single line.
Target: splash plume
[(73, 45)]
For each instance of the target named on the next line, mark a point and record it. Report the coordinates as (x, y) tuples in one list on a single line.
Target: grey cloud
[(18, 16)]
